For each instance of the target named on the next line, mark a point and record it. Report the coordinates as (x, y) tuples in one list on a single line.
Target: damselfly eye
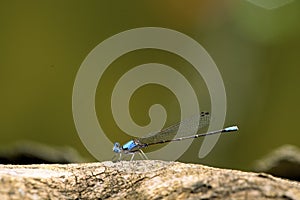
[(117, 148), (117, 144)]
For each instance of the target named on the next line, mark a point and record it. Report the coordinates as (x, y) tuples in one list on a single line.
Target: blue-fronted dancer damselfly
[(167, 135)]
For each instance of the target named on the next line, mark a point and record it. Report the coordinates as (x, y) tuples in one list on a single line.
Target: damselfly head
[(117, 147)]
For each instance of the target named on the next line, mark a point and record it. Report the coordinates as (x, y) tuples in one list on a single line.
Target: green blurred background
[(43, 43)]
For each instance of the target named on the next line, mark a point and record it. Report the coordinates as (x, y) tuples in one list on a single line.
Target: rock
[(282, 162), (27, 152), (147, 179)]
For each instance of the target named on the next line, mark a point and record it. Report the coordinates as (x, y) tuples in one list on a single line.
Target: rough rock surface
[(139, 180)]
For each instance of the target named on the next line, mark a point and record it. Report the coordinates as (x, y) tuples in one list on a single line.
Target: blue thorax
[(129, 145)]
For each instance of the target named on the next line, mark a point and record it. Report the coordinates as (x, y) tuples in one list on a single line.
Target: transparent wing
[(188, 127)]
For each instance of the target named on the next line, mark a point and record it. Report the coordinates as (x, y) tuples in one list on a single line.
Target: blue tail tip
[(231, 128)]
